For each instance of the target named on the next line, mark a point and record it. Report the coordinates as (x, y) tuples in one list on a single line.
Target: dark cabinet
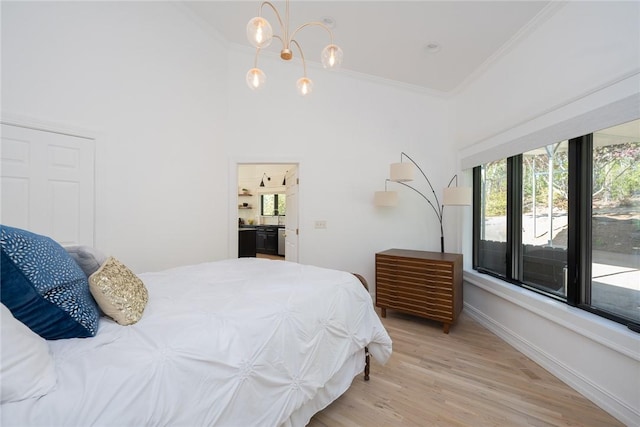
[(246, 242), (267, 240)]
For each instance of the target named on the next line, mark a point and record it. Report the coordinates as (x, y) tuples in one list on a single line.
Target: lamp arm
[(455, 177), (438, 212), (428, 201)]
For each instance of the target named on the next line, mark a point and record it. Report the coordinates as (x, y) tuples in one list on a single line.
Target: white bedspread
[(243, 342)]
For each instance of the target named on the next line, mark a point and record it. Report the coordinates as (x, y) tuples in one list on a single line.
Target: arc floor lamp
[(404, 172)]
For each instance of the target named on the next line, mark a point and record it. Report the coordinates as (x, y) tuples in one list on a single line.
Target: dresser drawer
[(426, 284)]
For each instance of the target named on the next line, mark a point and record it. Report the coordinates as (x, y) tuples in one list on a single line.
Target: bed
[(240, 342)]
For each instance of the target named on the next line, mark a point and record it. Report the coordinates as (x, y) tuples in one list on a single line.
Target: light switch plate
[(320, 224)]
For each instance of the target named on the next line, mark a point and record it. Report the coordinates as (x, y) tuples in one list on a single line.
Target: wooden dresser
[(426, 284)]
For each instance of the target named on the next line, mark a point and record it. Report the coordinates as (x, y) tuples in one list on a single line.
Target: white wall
[(582, 47), (343, 137), (173, 116), (151, 85), (584, 57)]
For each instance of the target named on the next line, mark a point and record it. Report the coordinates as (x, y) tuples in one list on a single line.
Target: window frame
[(275, 204), (579, 250)]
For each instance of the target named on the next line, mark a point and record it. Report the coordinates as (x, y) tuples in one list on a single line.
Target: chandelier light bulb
[(259, 32), (256, 79), (305, 86), (331, 56)]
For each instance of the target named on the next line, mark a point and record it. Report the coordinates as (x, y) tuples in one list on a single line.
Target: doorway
[(267, 210)]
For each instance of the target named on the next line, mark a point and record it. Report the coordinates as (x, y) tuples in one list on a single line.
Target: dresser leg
[(445, 327), (383, 312)]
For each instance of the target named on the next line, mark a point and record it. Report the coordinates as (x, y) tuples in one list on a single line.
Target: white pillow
[(26, 367), (89, 259)]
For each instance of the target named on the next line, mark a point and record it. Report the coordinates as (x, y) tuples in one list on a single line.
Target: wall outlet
[(320, 224)]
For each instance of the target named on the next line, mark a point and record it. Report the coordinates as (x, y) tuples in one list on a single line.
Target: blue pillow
[(44, 287)]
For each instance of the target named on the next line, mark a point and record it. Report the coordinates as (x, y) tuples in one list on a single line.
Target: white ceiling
[(388, 39)]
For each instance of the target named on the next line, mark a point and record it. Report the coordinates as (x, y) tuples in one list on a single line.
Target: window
[(564, 221), (544, 218), (615, 221), (493, 214), (273, 204)]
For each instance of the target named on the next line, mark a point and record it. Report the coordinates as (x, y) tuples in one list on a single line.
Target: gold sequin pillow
[(119, 292)]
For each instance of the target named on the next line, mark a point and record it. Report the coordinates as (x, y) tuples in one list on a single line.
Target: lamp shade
[(457, 196), (401, 172), (385, 198)]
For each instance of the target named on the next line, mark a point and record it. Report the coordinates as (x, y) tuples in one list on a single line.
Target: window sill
[(608, 333)]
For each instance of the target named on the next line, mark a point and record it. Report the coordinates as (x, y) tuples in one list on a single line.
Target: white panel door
[(48, 184), (291, 219)]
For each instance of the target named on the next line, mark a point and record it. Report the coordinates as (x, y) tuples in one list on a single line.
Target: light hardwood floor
[(469, 377), (267, 256)]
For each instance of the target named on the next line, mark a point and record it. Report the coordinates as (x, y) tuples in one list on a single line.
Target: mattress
[(242, 342)]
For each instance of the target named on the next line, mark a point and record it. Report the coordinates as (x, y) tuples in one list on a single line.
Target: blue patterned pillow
[(44, 287)]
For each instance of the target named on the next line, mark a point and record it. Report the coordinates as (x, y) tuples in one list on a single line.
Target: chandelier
[(260, 35)]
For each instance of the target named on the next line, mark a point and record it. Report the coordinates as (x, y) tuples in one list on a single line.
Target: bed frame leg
[(366, 363), (367, 358)]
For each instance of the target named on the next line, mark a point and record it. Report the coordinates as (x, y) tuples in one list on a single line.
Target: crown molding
[(193, 16), (541, 17)]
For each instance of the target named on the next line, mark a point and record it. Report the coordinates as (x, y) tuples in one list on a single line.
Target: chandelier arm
[(304, 63), (309, 24), (267, 3), (275, 36), (286, 21), (255, 60), (440, 211)]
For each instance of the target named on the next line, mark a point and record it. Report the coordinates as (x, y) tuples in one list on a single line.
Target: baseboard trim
[(577, 381)]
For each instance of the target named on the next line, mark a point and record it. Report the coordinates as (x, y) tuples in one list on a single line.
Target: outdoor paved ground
[(616, 253)]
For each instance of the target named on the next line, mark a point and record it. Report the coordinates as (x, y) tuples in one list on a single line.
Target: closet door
[(48, 184)]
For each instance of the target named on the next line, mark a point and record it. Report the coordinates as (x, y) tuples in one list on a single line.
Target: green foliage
[(616, 175), (616, 178), (495, 188), (535, 177), (496, 204)]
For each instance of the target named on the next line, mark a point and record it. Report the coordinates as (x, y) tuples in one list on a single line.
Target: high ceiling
[(390, 39)]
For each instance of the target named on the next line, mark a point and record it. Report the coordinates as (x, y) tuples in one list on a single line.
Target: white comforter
[(243, 342)]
